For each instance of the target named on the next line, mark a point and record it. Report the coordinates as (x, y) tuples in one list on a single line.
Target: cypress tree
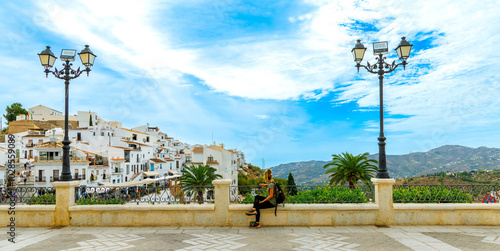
[(292, 188)]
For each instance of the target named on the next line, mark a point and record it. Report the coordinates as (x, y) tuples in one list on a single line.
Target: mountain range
[(451, 158)]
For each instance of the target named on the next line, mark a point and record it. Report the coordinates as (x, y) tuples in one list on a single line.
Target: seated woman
[(262, 202)]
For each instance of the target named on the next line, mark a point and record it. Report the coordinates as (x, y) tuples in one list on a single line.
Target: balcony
[(40, 179), (118, 170), (52, 179), (212, 162), (59, 158)]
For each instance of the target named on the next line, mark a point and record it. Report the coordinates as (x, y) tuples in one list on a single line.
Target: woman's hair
[(268, 175)]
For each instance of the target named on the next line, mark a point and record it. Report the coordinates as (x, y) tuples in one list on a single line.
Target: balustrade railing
[(301, 194), (446, 193), (145, 194), (28, 195)]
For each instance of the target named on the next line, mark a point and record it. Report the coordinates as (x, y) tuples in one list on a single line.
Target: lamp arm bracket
[(393, 66), (56, 73), (368, 67), (76, 73)]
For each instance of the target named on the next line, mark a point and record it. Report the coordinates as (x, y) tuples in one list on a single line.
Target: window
[(102, 133), (79, 136), (210, 159), (147, 139), (55, 175), (134, 136)]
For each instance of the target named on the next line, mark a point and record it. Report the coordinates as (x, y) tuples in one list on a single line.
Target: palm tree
[(195, 179), (347, 168)]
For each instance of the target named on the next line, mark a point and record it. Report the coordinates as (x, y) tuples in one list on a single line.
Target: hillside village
[(104, 153)]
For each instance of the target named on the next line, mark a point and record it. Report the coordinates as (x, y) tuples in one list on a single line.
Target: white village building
[(103, 152)]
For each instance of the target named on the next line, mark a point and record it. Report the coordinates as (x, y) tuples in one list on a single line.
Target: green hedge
[(329, 194), (93, 201), (46, 199), (323, 194), (432, 194)]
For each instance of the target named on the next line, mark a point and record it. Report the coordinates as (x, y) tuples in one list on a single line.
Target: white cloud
[(262, 116), (457, 91)]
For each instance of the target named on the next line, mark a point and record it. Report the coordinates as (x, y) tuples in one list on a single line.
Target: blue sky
[(275, 79)]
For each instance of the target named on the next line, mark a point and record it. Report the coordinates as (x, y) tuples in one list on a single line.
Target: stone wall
[(222, 213)]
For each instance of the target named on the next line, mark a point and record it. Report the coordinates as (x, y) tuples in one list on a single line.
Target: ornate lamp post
[(47, 59), (380, 68)]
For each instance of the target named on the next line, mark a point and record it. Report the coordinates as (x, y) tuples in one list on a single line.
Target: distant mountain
[(446, 158)]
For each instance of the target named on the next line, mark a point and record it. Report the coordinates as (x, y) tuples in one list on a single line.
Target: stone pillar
[(221, 194), (383, 197), (65, 197)]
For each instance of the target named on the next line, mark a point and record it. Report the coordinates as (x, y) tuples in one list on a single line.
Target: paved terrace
[(266, 238)]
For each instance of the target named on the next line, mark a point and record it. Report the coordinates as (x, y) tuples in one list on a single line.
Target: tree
[(292, 188), (195, 179), (347, 168), (90, 120), (14, 110)]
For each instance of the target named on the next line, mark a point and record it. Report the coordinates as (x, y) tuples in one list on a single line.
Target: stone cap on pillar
[(221, 182), (73, 183), (377, 181)]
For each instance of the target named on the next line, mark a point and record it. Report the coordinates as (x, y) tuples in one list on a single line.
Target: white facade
[(221, 159), (104, 152), (47, 167)]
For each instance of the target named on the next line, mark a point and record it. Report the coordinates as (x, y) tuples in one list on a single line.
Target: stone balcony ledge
[(122, 208), (313, 207), (446, 206), (46, 208)]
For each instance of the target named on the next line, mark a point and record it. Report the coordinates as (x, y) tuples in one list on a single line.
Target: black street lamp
[(47, 59), (381, 48)]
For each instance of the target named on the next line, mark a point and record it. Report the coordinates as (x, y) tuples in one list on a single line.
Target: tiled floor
[(265, 238)]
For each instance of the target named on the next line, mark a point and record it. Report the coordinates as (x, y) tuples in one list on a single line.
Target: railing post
[(65, 197), (221, 194), (383, 197)]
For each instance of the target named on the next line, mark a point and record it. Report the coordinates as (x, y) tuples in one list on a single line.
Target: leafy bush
[(430, 194), (94, 201), (329, 194), (320, 194), (49, 199)]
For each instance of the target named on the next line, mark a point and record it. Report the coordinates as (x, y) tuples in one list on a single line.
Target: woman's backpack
[(279, 195)]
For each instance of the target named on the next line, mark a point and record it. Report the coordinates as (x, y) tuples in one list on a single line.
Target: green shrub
[(42, 200), (430, 194), (93, 201), (329, 194), (320, 194)]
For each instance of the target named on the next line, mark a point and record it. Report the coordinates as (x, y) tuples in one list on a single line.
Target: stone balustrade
[(382, 212)]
